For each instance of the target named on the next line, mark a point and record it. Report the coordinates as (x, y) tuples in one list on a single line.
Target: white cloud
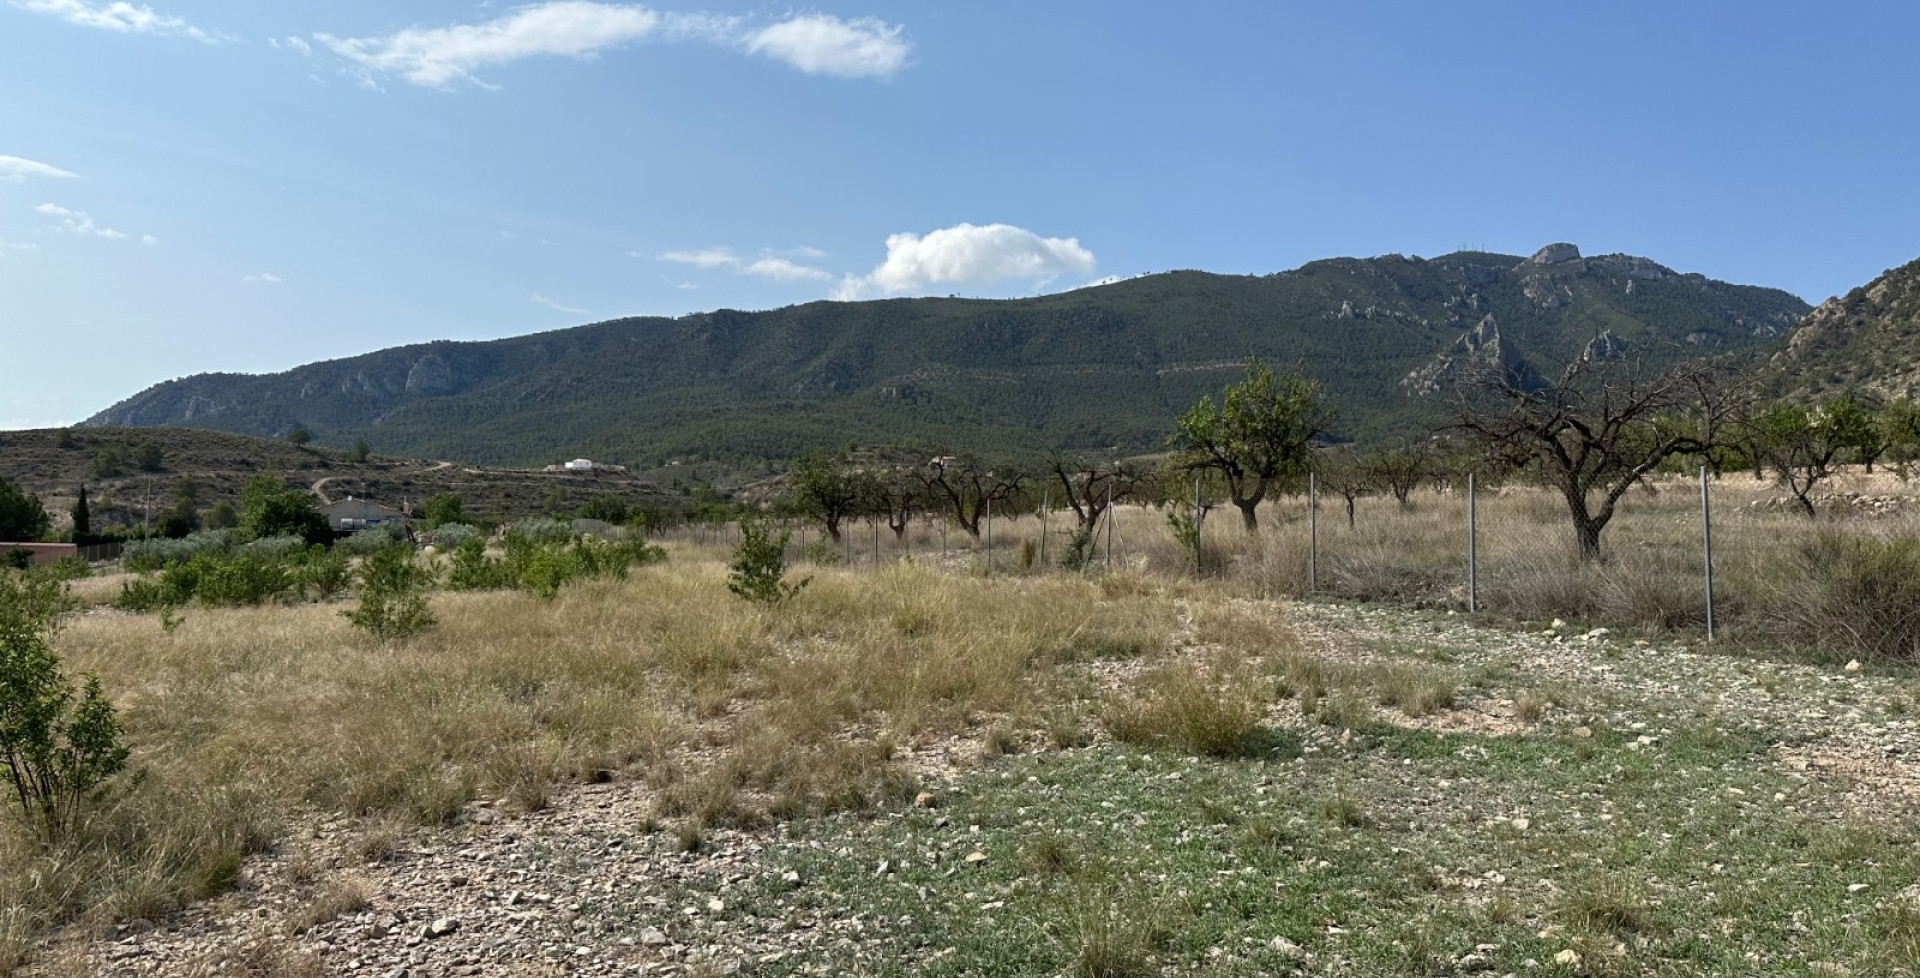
[(822, 44), (298, 44), (6, 246), (438, 57), (120, 17), (542, 300), (703, 258), (148, 239), (769, 265), (79, 222), (14, 169), (968, 254), (264, 278), (783, 270)]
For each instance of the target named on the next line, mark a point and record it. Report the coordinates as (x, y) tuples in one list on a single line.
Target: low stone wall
[(43, 553)]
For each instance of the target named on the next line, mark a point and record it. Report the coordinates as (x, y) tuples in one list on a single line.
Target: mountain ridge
[(1099, 367)]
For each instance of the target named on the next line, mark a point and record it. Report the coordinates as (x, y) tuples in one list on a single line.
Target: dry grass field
[(1160, 771)]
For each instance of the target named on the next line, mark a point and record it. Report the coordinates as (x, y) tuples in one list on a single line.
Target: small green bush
[(59, 748), (392, 607), (323, 574), (1080, 548), (760, 564), (473, 570)]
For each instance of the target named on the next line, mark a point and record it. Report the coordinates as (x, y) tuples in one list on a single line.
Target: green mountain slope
[(1093, 368), (1867, 342)]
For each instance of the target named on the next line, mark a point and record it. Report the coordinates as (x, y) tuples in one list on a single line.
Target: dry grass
[(335, 899), (1201, 711), (243, 719)]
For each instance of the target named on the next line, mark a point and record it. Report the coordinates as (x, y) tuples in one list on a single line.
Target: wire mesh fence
[(1502, 548)]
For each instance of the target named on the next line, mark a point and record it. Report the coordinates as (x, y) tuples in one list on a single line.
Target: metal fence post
[(1046, 501), (987, 506), (1473, 546), (1110, 518), (1313, 532), (1197, 523), (1706, 528)]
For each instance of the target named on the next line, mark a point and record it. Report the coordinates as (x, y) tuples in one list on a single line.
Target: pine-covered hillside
[(1102, 367)]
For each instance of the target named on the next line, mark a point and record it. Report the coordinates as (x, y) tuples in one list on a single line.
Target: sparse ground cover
[(916, 770)]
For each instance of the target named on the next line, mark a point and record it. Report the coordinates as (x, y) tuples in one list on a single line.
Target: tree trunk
[(1806, 504), (833, 528), (1248, 518), (1349, 512), (1587, 530)]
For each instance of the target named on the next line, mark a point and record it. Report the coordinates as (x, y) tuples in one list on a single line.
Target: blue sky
[(193, 186)]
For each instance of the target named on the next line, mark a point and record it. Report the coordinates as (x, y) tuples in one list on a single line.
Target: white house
[(579, 465)]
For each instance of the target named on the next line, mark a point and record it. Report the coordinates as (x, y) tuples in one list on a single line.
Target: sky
[(194, 186)]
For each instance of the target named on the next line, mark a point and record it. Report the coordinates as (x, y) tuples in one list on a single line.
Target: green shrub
[(323, 574), (473, 570), (281, 545), (145, 594), (450, 536), (1080, 548), (760, 563), (71, 568), (241, 579), (152, 555), (392, 607), (821, 552), (367, 541), (59, 748)]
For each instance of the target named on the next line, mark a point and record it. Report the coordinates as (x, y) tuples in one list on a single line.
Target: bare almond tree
[(1599, 430), (966, 486), (1089, 485)]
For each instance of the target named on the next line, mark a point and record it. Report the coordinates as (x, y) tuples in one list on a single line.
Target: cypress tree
[(82, 519)]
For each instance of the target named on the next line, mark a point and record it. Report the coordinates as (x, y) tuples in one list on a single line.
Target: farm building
[(579, 465), (350, 515)]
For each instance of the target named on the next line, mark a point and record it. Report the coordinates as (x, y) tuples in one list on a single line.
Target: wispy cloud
[(701, 258), (15, 169), (437, 57), (121, 18), (769, 265), (264, 278), (822, 44), (441, 57), (968, 254), (78, 222), (557, 306), (6, 246), (783, 270)]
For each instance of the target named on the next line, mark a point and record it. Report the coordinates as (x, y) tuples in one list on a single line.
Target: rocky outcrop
[(1481, 354), (1606, 346), (1558, 253), (432, 374)]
